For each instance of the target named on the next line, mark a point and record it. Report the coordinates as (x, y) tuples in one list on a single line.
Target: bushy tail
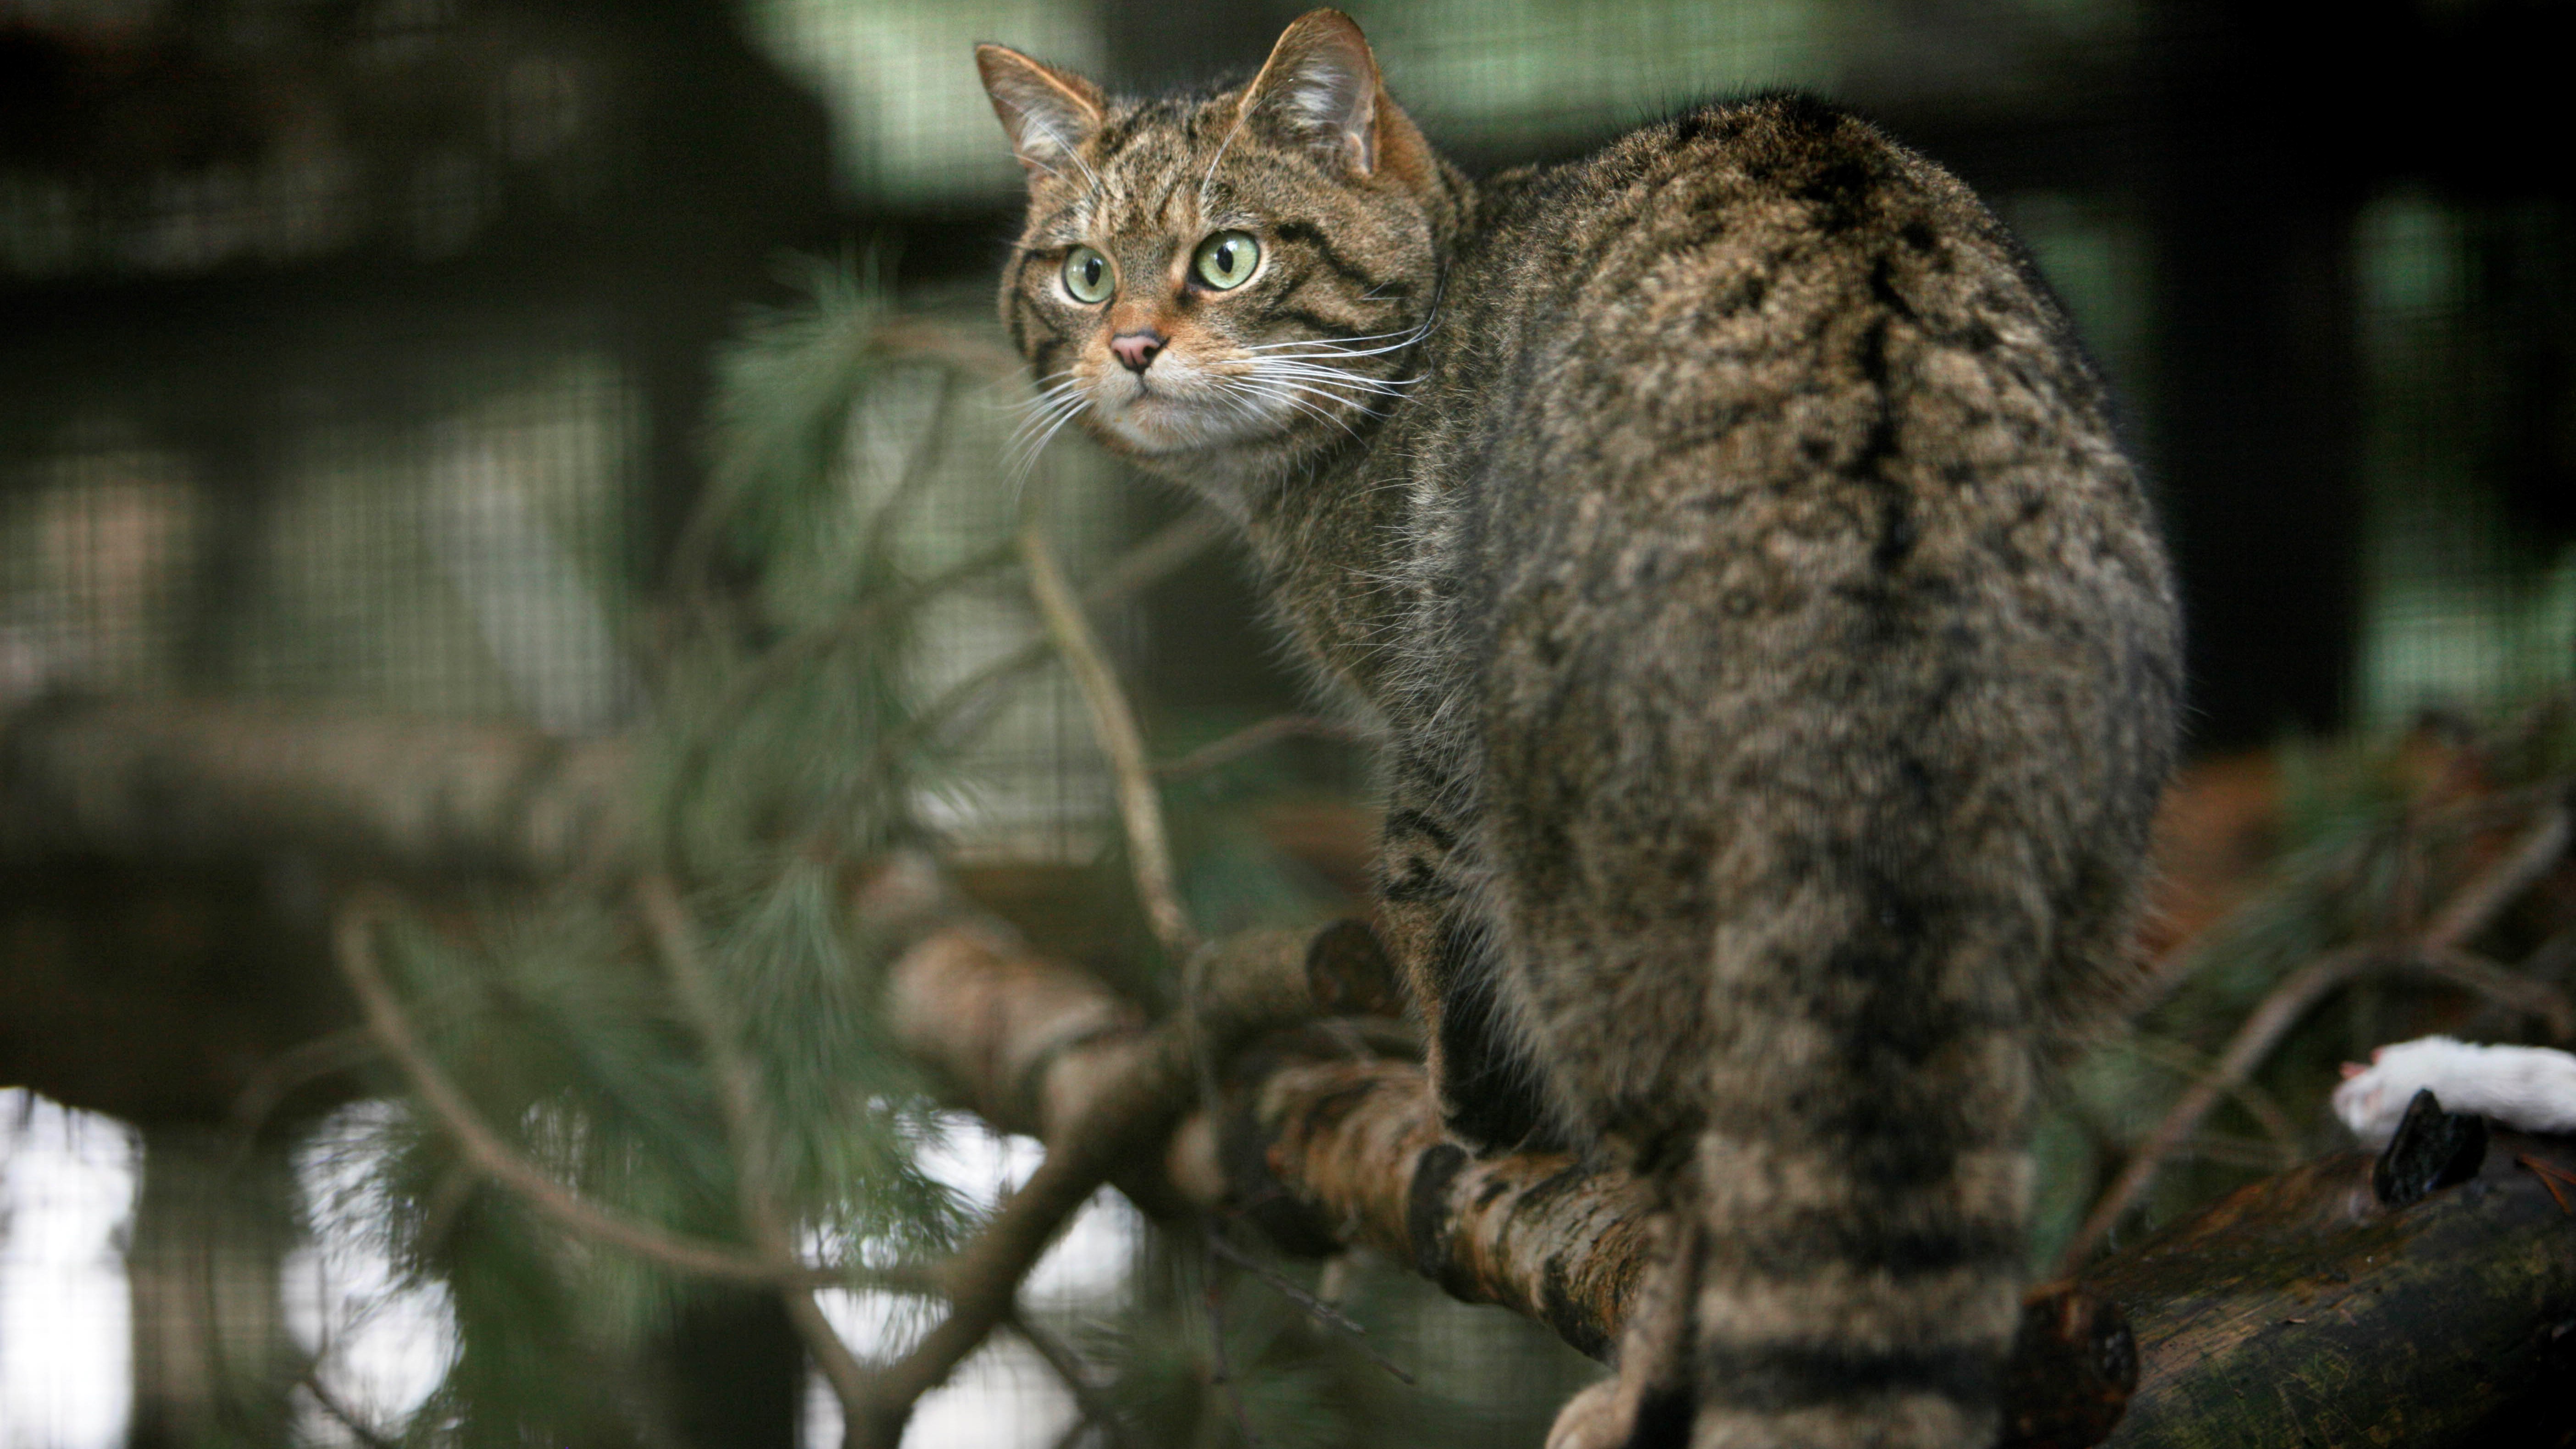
[(1860, 1192), (1840, 1267)]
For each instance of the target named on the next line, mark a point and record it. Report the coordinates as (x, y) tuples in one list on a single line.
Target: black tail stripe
[(1780, 1377), (1801, 1246)]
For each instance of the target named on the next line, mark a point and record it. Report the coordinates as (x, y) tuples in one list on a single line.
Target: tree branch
[(1324, 1149)]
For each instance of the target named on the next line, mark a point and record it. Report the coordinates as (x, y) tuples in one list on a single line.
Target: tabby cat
[(1777, 653)]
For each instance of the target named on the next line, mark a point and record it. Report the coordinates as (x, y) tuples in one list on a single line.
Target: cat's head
[(1222, 278)]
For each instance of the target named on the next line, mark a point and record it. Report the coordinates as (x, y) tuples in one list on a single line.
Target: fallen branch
[(2300, 1311)]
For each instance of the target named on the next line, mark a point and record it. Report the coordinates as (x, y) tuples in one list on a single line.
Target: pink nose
[(1137, 349)]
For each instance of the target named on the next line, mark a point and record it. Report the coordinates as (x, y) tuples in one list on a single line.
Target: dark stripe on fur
[(1494, 1102), (1777, 1378), (1311, 236), (1799, 1246)]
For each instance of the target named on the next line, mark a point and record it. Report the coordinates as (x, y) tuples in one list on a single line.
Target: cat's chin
[(1158, 427)]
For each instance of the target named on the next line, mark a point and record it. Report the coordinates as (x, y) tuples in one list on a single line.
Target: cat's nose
[(1137, 349)]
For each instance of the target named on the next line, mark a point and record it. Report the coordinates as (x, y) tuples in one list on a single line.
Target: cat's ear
[(1321, 86), (1048, 112)]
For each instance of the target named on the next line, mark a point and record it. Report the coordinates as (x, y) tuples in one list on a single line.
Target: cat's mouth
[(1178, 413)]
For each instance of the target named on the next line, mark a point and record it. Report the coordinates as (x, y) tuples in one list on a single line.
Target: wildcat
[(1777, 653)]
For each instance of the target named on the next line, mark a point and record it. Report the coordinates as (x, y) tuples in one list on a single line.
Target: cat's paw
[(2531, 1089), (1596, 1418)]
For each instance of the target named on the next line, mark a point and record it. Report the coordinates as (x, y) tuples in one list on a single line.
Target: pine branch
[(354, 948), (749, 1133)]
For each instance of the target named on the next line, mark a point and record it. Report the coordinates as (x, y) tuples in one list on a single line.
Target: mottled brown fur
[(1778, 657)]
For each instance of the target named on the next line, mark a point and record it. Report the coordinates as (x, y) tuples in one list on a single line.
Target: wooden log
[(2302, 1311)]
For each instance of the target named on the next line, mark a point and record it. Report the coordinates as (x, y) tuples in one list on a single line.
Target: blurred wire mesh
[(360, 349)]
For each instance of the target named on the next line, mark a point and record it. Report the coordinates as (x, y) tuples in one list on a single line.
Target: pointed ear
[(1321, 85), (1049, 113)]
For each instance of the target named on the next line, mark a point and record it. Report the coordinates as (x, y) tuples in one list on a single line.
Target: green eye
[(1087, 276), (1225, 260)]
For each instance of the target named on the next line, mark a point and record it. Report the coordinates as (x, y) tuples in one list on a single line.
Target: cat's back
[(1768, 296), (1760, 434)]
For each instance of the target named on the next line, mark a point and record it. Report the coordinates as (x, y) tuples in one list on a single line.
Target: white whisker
[(1026, 460), (1340, 377), (1286, 394)]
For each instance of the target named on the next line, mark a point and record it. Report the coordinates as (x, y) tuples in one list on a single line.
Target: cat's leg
[(1444, 952)]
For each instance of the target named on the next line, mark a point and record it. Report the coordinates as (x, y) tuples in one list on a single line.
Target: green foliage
[(557, 1015)]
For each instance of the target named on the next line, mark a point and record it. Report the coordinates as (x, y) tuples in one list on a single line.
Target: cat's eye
[(1087, 276), (1225, 260)]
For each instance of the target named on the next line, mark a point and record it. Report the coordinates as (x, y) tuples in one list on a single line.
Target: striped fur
[(1777, 652)]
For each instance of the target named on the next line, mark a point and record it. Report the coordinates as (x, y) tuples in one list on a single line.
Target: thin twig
[(982, 1279), (1315, 1307), (1220, 1362), (1093, 1406), (1140, 808), (494, 1158), (2469, 910), (1113, 723), (789, 658), (341, 1413), (282, 1075), (749, 1132), (2504, 987), (1148, 563), (2474, 905), (2258, 1104), (1230, 748), (949, 714)]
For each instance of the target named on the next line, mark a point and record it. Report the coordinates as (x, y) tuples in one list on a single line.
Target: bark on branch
[(1327, 1145)]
